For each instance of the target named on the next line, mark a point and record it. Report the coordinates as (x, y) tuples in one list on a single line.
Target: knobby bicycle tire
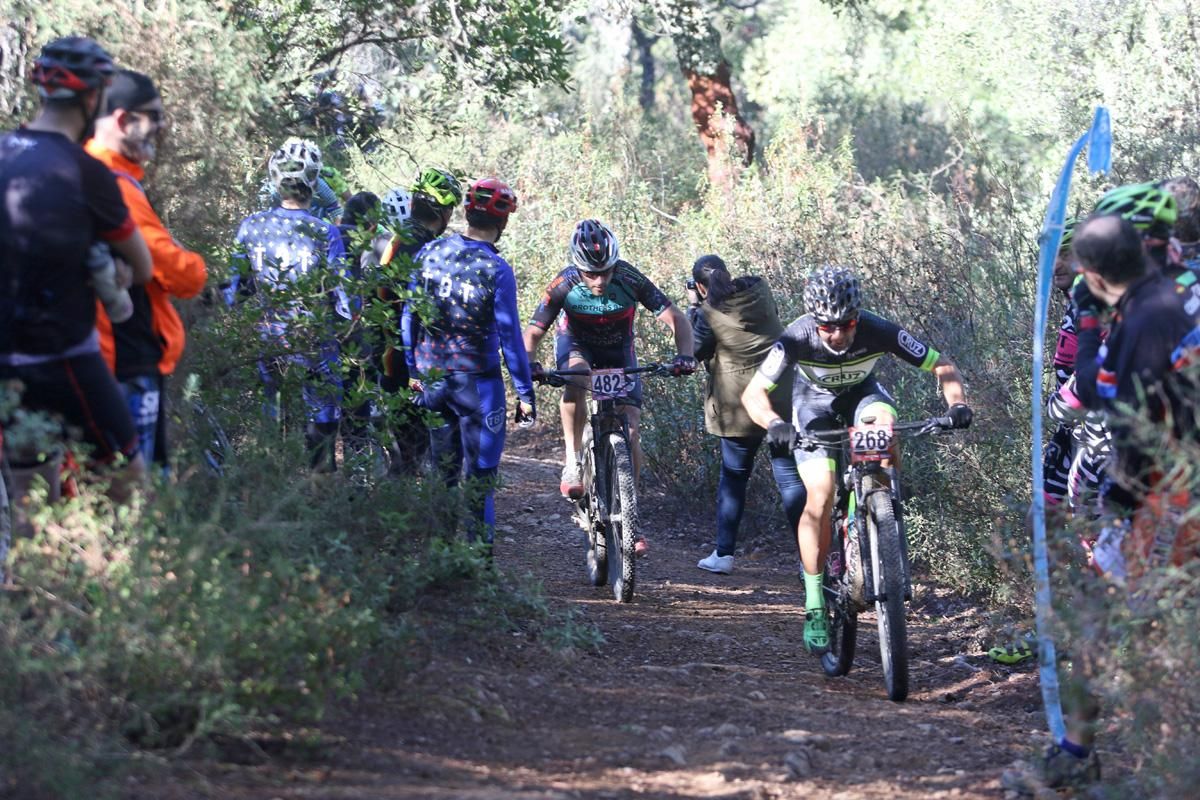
[(887, 564), (621, 530), (843, 619), (589, 516)]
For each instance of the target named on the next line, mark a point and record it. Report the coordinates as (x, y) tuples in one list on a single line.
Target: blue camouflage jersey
[(275, 247), (474, 292)]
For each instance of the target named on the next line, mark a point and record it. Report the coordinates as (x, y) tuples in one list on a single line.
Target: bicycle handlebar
[(925, 427), (557, 377)]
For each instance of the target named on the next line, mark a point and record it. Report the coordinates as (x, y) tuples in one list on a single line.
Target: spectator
[(144, 350), (734, 328)]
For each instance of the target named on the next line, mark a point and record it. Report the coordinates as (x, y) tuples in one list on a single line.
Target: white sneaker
[(716, 563)]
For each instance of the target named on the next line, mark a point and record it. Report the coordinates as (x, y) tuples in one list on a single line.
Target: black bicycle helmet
[(594, 247), (71, 66), (832, 294)]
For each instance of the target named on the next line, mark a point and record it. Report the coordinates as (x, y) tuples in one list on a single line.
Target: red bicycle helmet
[(71, 66), (492, 196)]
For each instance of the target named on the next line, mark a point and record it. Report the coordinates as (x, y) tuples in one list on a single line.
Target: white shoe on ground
[(716, 563)]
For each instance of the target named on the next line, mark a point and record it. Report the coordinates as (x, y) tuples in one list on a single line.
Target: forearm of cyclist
[(950, 381), (532, 336), (757, 401), (677, 321)]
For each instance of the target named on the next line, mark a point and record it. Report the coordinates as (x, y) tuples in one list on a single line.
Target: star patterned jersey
[(603, 321), (474, 295), (277, 246)]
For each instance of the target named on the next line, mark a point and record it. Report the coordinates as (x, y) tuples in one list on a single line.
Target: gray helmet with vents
[(832, 294)]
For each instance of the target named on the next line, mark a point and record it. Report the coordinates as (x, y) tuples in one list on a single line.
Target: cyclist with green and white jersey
[(834, 349)]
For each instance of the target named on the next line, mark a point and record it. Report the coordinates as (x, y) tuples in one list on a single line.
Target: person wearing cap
[(59, 201), (143, 350), (473, 293)]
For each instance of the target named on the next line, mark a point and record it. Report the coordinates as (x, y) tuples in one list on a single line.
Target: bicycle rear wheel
[(843, 618), (621, 529), (887, 566)]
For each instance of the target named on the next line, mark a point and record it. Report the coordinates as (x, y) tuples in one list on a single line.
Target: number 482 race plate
[(608, 383), (871, 442)]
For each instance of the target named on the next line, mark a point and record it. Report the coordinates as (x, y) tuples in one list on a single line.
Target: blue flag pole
[(1098, 141)]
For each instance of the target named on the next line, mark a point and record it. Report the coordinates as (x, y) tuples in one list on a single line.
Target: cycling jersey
[(833, 373), (474, 293), (57, 201), (604, 321), (1147, 362), (276, 246)]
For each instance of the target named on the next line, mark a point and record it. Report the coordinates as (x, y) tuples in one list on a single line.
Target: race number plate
[(871, 442), (610, 383)]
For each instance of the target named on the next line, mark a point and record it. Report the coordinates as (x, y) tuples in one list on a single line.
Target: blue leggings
[(471, 441), (737, 463)]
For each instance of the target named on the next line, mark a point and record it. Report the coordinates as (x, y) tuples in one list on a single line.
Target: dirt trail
[(702, 690)]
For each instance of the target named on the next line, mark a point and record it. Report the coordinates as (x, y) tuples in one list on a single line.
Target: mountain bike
[(868, 555), (608, 509)]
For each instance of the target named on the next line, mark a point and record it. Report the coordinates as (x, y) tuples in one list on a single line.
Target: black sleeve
[(702, 334), (1087, 369)]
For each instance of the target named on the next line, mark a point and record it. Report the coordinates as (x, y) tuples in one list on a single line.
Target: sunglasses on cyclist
[(833, 327)]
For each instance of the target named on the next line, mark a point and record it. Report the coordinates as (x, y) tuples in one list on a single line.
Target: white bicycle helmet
[(594, 247), (297, 163), (397, 205)]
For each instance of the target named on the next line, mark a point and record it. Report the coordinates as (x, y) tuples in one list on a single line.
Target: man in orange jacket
[(144, 350)]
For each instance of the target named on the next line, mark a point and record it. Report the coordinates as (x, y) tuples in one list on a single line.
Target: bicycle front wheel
[(621, 530), (887, 564)]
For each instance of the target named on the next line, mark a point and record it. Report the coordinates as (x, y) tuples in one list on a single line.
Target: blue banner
[(1098, 141)]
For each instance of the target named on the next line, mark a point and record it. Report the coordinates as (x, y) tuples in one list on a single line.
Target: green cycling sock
[(814, 595)]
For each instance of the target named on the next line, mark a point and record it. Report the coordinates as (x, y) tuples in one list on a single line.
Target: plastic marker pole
[(1098, 141)]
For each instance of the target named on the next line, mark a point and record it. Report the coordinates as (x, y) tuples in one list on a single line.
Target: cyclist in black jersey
[(598, 295), (1187, 225), (834, 349)]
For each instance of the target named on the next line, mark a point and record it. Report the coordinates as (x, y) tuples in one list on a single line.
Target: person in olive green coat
[(735, 323)]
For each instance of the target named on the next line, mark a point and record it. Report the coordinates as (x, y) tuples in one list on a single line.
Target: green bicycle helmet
[(1147, 205), (439, 187), (1068, 234)]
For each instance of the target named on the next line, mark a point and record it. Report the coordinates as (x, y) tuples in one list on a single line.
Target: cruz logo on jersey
[(910, 344)]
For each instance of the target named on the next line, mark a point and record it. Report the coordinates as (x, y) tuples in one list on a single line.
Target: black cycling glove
[(781, 436), (961, 415), (537, 371), (683, 365)]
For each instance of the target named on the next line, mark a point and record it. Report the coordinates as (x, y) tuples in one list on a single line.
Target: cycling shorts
[(568, 348), (473, 407), (814, 410), (83, 394)]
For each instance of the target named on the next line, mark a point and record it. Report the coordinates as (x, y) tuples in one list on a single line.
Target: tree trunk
[(698, 45), (645, 56)]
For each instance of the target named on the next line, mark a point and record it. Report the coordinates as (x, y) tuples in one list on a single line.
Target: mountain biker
[(143, 351), (598, 295), (418, 215), (58, 201), (474, 293), (430, 205), (274, 249), (735, 327), (1153, 212), (834, 348)]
